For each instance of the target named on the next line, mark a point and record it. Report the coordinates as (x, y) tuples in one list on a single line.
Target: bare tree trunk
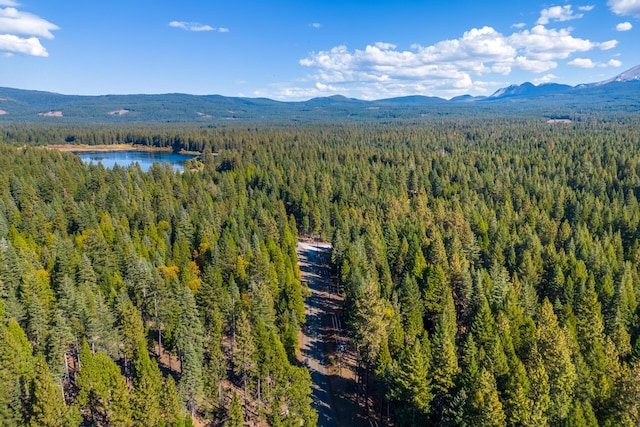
[(259, 392), (244, 384), (366, 388)]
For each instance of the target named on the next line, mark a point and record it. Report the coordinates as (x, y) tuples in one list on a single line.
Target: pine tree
[(103, 390), (189, 340), (58, 344), (485, 334), (411, 308), (486, 403), (98, 321), (444, 363), (369, 323), (590, 328), (147, 393), (556, 356), (244, 352), (215, 370), (517, 404), (47, 407), (37, 299), (417, 263), (131, 328), (16, 372), (413, 386), (298, 398), (235, 417), (539, 391), (434, 289), (172, 409)]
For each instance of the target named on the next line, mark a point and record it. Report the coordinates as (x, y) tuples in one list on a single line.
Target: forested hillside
[(490, 270), (103, 269)]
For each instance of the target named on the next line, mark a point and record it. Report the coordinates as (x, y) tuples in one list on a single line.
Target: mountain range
[(617, 95)]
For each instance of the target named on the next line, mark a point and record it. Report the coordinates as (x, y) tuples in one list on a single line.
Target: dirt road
[(325, 345), (313, 264)]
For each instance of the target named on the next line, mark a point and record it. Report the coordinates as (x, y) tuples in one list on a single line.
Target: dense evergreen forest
[(490, 268)]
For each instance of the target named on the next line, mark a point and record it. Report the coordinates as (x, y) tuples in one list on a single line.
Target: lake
[(144, 158)]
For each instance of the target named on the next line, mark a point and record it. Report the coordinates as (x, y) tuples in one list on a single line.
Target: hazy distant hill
[(620, 94)]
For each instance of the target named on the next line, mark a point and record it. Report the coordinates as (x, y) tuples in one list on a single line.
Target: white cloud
[(543, 44), (447, 68), (534, 65), (11, 44), (326, 88), (20, 32), (223, 30), (583, 63), (557, 13), (191, 26), (624, 26), (610, 44), (625, 7), (315, 25), (519, 25), (13, 21), (587, 8), (547, 78), (588, 63)]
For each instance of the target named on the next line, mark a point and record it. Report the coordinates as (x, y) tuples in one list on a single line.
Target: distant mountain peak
[(529, 89), (630, 75)]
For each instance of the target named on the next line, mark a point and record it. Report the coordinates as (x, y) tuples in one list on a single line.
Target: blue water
[(144, 158)]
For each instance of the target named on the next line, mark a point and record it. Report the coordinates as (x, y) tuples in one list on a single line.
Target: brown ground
[(325, 346), (99, 148), (118, 112)]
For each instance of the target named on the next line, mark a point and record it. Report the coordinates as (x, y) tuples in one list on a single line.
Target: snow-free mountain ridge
[(618, 95)]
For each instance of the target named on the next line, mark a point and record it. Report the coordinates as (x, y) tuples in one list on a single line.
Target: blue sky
[(296, 50)]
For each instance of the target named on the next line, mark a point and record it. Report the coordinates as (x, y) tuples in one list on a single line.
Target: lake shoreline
[(107, 148)]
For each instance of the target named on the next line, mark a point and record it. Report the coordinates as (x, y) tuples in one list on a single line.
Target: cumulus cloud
[(315, 25), (449, 67), (625, 7), (557, 13), (624, 26), (547, 78), (588, 63), (325, 88), (194, 26), (582, 63), (11, 44), (544, 44), (20, 32), (470, 63), (13, 21)]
